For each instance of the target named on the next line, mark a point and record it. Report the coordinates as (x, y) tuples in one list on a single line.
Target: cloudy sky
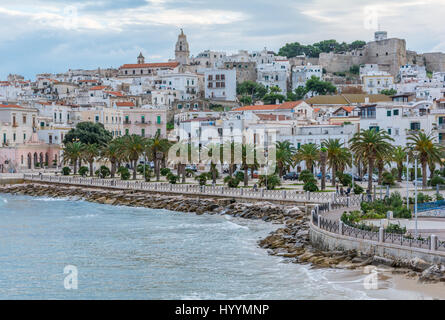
[(53, 36)]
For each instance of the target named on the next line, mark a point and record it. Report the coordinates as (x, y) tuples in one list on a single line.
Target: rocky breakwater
[(290, 240)]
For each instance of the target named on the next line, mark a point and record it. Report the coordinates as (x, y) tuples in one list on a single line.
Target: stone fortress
[(389, 54)]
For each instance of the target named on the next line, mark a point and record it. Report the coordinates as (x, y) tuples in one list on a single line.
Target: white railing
[(288, 195)]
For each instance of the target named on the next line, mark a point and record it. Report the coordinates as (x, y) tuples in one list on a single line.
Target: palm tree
[(337, 156), (323, 159), (285, 152), (72, 152), (155, 147), (398, 156), (114, 152), (368, 144), (427, 150), (309, 153), (229, 155), (210, 152), (89, 154), (381, 160), (248, 160), (134, 148)]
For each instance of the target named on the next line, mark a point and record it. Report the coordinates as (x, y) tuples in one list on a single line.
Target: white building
[(411, 72), (398, 120), (220, 84), (300, 74), (275, 74), (374, 83)]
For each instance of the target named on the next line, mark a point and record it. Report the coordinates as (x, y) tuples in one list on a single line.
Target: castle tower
[(182, 52), (141, 59)]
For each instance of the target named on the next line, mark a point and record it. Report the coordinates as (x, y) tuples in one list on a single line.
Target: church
[(141, 69)]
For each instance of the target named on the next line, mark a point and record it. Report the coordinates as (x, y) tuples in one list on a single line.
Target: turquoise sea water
[(137, 253)]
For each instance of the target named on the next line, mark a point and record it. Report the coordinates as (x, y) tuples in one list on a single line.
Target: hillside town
[(303, 99)]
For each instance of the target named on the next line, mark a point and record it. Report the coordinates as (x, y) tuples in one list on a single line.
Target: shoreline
[(290, 240)]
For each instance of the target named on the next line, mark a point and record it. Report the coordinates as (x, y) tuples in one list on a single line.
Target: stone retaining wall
[(325, 240)]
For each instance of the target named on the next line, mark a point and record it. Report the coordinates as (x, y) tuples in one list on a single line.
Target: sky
[(39, 36)]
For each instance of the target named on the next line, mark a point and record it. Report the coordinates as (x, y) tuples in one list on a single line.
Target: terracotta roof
[(284, 106), (259, 107), (290, 104), (10, 106), (347, 109), (150, 65), (125, 104), (272, 117), (98, 88), (115, 93), (346, 99)]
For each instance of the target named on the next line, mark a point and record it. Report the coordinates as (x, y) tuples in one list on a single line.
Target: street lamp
[(415, 154), (352, 171), (407, 181)]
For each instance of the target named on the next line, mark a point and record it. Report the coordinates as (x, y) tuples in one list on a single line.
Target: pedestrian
[(336, 188), (348, 191), (342, 192), (255, 187), (368, 193)]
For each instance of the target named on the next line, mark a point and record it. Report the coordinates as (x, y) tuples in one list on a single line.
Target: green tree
[(389, 92), (89, 133), (72, 152), (89, 154), (337, 156), (398, 156), (255, 91), (285, 153), (115, 153), (323, 161), (320, 87), (309, 153), (154, 146), (134, 148), (273, 96), (270, 181), (369, 144), (427, 150)]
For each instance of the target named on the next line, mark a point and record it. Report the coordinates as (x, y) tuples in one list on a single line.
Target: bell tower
[(141, 59), (182, 52)]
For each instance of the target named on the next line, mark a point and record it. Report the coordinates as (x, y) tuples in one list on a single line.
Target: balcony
[(127, 122)]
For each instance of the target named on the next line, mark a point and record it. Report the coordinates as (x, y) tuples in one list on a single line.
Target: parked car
[(291, 176), (375, 178), (191, 167), (328, 176), (356, 177), (418, 182)]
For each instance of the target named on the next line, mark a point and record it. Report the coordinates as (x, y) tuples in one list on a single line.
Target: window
[(143, 132), (24, 137), (97, 119), (389, 131), (388, 113), (376, 128), (396, 112), (127, 132), (158, 120), (24, 119), (13, 137), (415, 126), (143, 119)]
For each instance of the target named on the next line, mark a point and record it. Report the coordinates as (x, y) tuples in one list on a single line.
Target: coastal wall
[(4, 181), (325, 240)]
